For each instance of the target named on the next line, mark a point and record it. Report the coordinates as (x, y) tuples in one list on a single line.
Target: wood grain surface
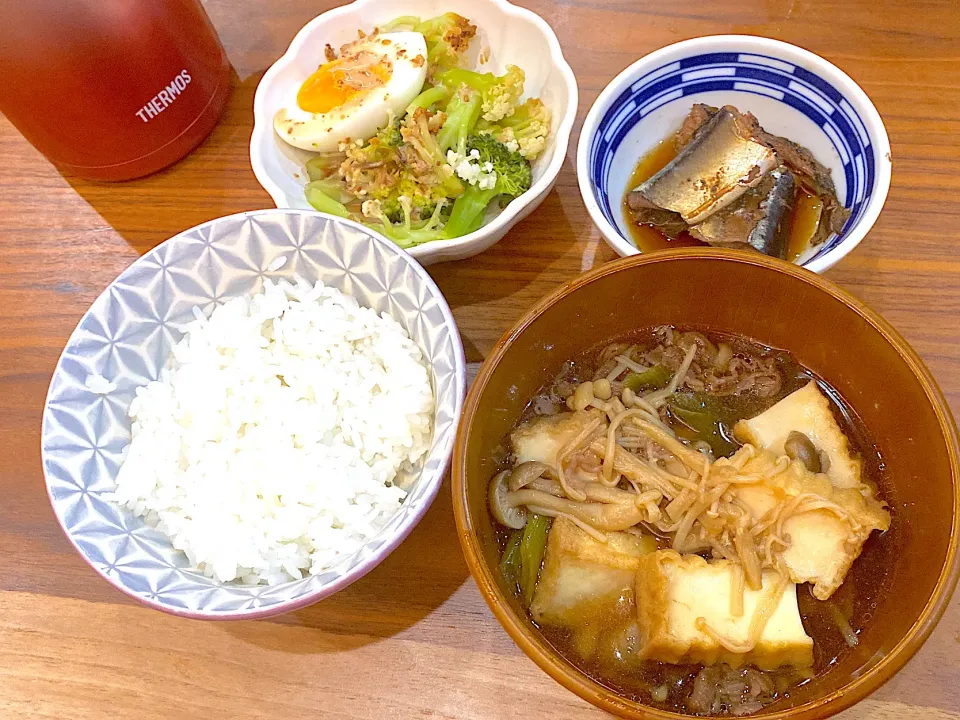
[(413, 639)]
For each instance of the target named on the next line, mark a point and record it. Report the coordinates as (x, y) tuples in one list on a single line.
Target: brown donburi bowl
[(780, 305)]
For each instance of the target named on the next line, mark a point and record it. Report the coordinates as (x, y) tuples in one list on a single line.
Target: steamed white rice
[(274, 442)]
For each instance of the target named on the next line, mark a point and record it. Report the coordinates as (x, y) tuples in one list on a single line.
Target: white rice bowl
[(276, 442)]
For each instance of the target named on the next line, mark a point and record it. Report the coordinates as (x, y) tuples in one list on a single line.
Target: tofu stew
[(693, 520)]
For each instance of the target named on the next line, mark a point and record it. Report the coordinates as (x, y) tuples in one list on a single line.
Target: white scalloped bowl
[(514, 36), (793, 93), (127, 336)]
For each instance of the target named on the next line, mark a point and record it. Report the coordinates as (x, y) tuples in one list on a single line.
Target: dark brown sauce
[(647, 237), (856, 599), (803, 223), (804, 218)]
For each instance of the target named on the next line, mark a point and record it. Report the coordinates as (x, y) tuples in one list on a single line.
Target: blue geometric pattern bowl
[(792, 92), (126, 337)]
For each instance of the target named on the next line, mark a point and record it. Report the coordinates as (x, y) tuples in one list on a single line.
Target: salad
[(406, 140)]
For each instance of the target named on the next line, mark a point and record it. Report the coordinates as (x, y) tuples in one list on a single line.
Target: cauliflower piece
[(531, 147), (508, 138), (528, 126), (470, 169), (371, 208), (501, 94)]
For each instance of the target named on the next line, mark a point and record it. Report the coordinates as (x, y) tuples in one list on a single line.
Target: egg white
[(362, 115)]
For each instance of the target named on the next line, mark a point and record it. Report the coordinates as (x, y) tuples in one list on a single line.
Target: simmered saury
[(718, 166), (759, 220), (733, 184)]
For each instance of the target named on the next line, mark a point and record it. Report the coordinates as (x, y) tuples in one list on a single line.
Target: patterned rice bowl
[(126, 338), (791, 91)]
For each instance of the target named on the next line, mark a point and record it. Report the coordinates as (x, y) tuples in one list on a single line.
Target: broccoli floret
[(403, 159), (463, 111), (428, 98), (390, 207), (390, 135), (423, 199), (378, 150), (514, 177), (528, 127), (500, 93), (405, 231), (429, 157), (399, 218)]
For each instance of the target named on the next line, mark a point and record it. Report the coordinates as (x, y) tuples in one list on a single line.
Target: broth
[(670, 687)]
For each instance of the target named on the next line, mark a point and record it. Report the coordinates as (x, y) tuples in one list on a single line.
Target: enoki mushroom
[(676, 492)]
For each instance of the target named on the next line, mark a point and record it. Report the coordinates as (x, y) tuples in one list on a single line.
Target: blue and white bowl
[(791, 91)]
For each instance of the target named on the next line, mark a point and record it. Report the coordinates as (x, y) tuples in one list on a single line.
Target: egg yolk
[(337, 81)]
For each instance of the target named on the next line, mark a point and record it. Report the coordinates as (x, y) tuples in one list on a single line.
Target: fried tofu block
[(542, 438), (582, 576), (806, 410), (818, 551), (823, 545), (673, 591)]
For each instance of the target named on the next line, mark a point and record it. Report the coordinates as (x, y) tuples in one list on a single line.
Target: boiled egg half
[(355, 95)]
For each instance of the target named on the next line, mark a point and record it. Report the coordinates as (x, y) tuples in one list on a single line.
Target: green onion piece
[(510, 560), (533, 545), (652, 378), (701, 414)]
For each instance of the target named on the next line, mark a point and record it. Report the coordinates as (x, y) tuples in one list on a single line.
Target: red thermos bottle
[(111, 89)]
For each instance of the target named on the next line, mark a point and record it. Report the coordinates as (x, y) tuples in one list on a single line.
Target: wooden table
[(414, 639)]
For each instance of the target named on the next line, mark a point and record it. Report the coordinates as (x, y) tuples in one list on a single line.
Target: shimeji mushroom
[(511, 516)]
